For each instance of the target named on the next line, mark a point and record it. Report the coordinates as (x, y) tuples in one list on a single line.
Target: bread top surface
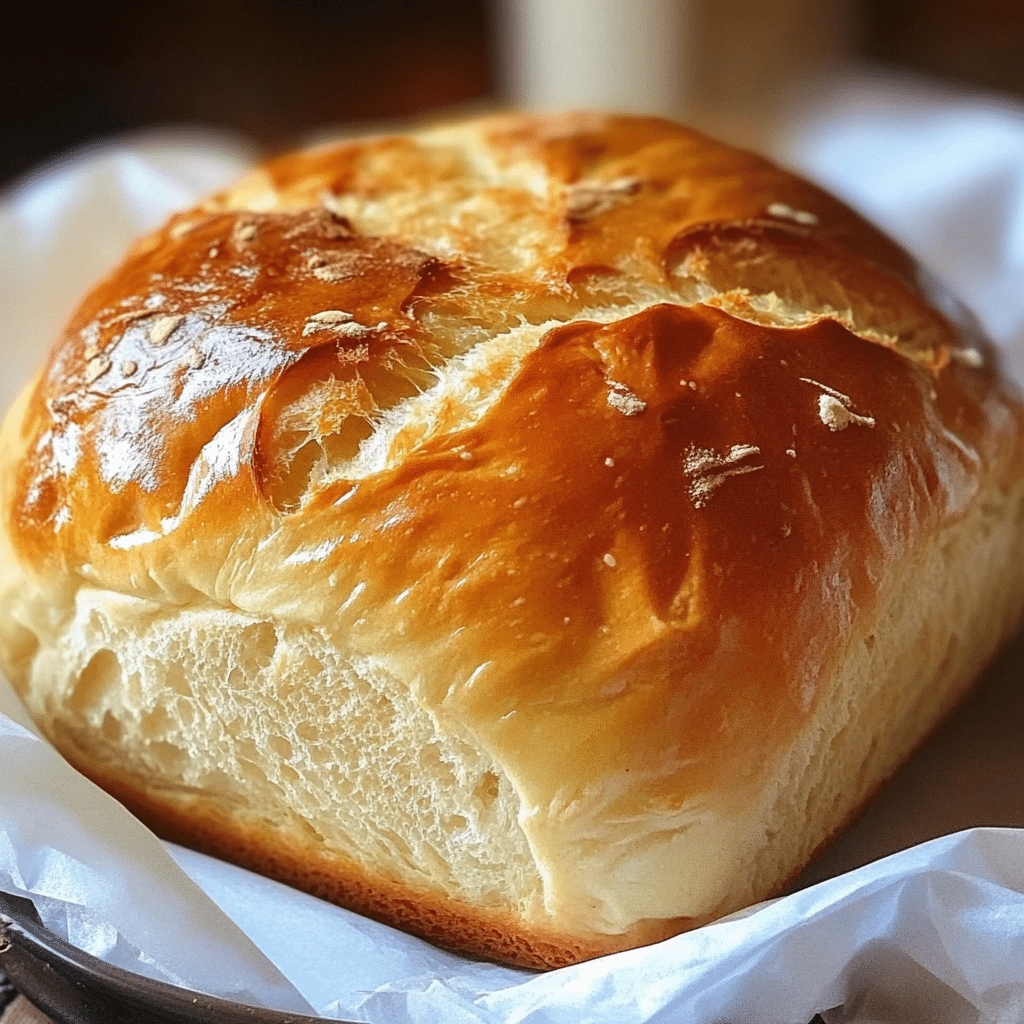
[(597, 433)]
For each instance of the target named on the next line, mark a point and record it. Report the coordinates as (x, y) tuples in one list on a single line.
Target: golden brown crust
[(601, 438), (220, 308)]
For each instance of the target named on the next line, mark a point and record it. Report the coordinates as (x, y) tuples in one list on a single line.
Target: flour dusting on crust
[(708, 470)]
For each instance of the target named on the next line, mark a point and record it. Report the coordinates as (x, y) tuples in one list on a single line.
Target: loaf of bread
[(540, 533)]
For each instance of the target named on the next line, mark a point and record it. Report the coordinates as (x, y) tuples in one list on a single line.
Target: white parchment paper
[(935, 932)]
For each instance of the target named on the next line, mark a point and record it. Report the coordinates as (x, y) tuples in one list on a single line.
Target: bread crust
[(602, 458), (488, 933)]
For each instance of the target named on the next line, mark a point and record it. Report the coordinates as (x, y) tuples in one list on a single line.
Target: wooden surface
[(21, 1011)]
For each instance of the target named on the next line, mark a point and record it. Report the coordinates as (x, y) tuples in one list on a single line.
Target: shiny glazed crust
[(541, 533)]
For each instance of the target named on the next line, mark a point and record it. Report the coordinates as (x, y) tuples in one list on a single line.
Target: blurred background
[(281, 72)]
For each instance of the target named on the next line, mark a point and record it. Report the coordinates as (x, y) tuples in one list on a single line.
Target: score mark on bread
[(541, 533)]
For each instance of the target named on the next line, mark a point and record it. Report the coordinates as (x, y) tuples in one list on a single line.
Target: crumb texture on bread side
[(560, 525), (267, 720)]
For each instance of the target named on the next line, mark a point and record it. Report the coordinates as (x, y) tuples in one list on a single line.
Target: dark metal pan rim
[(73, 987)]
